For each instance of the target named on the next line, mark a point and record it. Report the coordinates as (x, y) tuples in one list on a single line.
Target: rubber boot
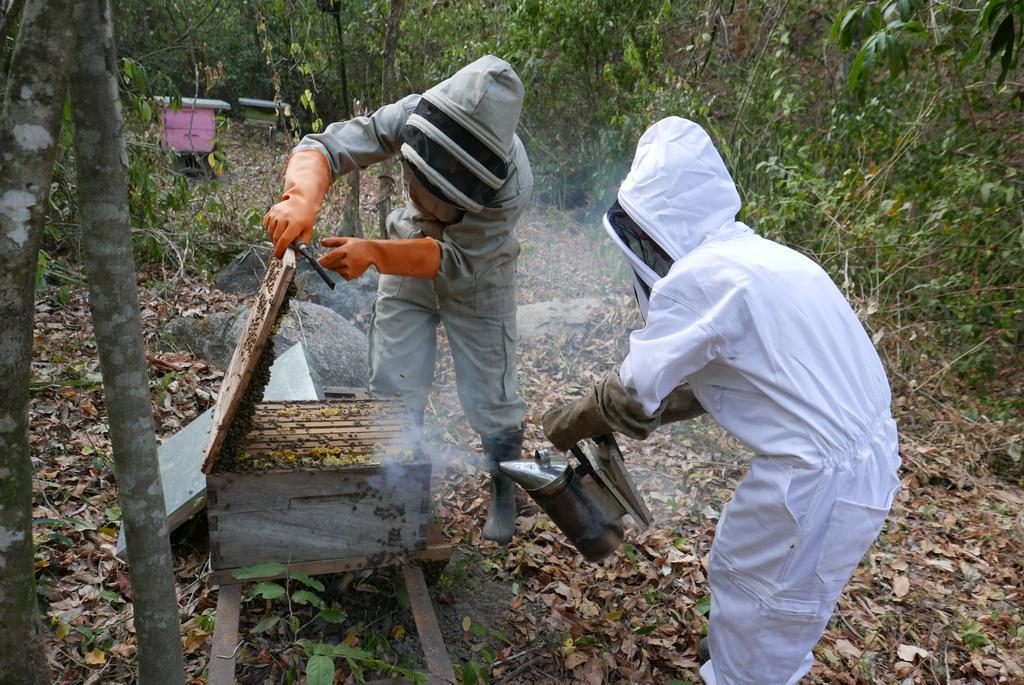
[(501, 519)]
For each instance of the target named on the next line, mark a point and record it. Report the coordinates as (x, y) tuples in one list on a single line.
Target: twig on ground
[(511, 675)]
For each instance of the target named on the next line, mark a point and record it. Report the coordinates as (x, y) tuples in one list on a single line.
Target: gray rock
[(348, 298), (208, 338), (557, 317), (245, 272), (336, 348)]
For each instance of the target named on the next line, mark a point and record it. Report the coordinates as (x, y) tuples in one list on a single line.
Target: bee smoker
[(587, 500)]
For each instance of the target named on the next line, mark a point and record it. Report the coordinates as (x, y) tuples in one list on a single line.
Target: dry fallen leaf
[(910, 652), (846, 648), (575, 659), (96, 657), (194, 640), (900, 586)]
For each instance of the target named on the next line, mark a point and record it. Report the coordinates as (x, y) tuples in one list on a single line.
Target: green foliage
[(973, 636), (886, 33), (885, 30), (1007, 21), (294, 625), (473, 672)]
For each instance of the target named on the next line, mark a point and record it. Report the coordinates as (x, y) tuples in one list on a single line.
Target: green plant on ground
[(302, 590)]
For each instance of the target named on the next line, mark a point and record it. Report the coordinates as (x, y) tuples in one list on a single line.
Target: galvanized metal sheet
[(194, 103)]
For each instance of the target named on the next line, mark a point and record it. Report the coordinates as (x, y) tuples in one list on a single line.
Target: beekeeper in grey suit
[(451, 253)]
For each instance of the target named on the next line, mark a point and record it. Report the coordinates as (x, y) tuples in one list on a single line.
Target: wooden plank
[(267, 421), (385, 423), (306, 515), (241, 491), (363, 400), (225, 635), (439, 664), (438, 552), (317, 438), (247, 351)]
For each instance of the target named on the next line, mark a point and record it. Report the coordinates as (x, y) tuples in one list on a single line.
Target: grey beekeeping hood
[(459, 139)]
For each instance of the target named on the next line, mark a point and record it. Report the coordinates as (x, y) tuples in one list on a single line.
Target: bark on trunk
[(388, 77), (101, 161), (350, 204), (9, 13), (29, 130)]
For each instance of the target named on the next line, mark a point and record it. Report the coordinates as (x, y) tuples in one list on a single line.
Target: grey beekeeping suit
[(473, 217)]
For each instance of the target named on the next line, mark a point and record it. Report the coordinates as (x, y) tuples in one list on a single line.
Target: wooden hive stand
[(330, 486)]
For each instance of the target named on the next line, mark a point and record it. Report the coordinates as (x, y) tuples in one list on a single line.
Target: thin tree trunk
[(30, 122), (350, 208), (9, 13), (388, 75), (101, 159), (350, 205), (387, 86)]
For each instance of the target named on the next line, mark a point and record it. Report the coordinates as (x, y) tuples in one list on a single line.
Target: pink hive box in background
[(193, 127)]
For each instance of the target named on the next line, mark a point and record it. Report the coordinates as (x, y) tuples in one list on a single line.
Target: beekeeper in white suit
[(760, 336)]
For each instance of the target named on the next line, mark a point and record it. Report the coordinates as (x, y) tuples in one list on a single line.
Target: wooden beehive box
[(318, 482), (322, 486)]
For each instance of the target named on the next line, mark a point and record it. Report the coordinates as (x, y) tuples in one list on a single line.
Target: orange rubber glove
[(306, 180), (351, 257)]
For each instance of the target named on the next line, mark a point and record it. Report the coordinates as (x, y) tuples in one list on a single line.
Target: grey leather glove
[(608, 408)]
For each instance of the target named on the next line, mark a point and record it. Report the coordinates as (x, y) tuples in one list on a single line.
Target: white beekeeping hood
[(678, 191)]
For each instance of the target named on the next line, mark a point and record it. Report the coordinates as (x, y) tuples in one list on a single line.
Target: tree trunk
[(101, 158), (387, 87), (32, 111), (350, 208), (10, 11), (388, 75), (353, 226)]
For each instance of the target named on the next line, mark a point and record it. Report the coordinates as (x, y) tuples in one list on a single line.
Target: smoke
[(416, 444)]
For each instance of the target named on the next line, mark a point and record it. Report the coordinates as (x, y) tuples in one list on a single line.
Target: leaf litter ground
[(937, 599)]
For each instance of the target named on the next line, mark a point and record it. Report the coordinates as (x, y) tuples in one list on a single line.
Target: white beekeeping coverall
[(775, 354)]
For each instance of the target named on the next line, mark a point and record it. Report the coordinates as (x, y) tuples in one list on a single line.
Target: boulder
[(245, 273), (208, 338), (335, 347), (348, 298), (557, 317)]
